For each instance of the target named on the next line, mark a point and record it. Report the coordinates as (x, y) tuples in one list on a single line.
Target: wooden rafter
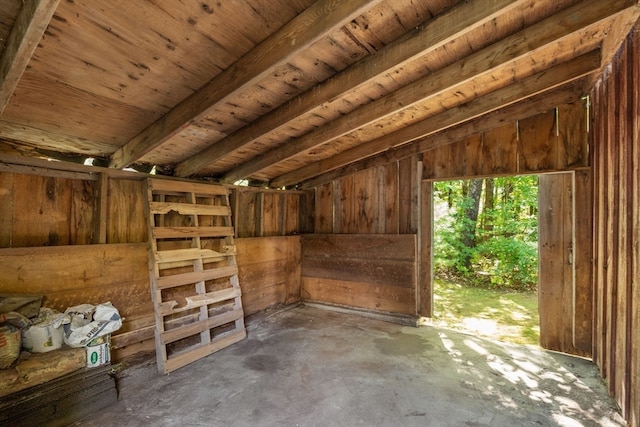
[(311, 25), (498, 56), (31, 22), (534, 85), (428, 38)]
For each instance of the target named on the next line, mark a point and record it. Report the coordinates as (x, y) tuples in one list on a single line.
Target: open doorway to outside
[(485, 257)]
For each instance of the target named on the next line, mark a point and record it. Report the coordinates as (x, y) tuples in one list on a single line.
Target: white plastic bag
[(89, 322), (46, 332)]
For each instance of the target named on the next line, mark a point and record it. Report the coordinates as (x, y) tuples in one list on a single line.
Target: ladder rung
[(189, 209), (167, 307), (161, 185), (172, 281), (189, 232), (175, 255), (192, 354), (200, 326)]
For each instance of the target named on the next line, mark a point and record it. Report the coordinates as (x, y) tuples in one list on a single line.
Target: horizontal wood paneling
[(372, 272), (362, 246), (362, 295), (269, 274), (269, 271), (615, 141), (72, 275)]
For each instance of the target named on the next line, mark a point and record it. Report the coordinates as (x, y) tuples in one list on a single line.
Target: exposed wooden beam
[(500, 55), (538, 83), (31, 22), (311, 25), (462, 19), (523, 109), (620, 29)]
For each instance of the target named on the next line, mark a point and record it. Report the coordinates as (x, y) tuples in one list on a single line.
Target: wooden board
[(63, 400), (40, 368), (563, 283), (425, 252), (58, 211), (125, 212), (547, 142), (373, 272), (269, 271), (71, 275), (538, 143), (324, 208), (360, 295), (583, 267)]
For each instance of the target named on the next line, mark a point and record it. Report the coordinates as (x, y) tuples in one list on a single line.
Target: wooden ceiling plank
[(27, 136), (30, 25), (462, 19), (311, 25), (538, 83), (497, 56), (523, 109)]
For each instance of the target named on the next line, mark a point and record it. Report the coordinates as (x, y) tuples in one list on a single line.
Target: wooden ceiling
[(282, 91)]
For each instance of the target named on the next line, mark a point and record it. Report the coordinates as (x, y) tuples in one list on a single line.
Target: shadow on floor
[(304, 366)]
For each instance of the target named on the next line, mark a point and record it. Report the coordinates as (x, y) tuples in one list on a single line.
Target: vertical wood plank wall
[(565, 290), (380, 200), (77, 236), (615, 142)]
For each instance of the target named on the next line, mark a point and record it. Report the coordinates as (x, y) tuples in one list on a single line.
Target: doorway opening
[(485, 257)]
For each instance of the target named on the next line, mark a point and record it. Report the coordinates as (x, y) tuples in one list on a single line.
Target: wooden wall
[(262, 212), (615, 141), (367, 271), (393, 197), (380, 200), (552, 141), (269, 275), (269, 271), (78, 235)]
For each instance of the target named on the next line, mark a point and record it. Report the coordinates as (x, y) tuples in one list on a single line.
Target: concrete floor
[(305, 366)]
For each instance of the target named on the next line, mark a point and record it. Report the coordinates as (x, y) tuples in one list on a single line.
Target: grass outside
[(504, 316)]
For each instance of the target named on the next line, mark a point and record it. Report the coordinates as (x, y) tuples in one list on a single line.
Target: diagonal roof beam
[(529, 107), (463, 18), (486, 61), (31, 23), (315, 22), (548, 79)]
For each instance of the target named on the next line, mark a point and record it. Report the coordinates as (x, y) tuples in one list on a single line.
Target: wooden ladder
[(193, 271)]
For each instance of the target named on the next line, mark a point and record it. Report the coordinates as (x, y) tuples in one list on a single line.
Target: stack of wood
[(54, 389)]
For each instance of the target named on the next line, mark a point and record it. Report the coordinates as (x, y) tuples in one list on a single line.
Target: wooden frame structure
[(193, 272)]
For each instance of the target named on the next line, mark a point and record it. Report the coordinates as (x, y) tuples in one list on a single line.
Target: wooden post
[(425, 251)]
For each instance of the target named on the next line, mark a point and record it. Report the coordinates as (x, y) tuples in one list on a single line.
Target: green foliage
[(499, 249), (512, 264)]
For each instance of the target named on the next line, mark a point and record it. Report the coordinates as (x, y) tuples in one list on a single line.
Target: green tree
[(487, 234)]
